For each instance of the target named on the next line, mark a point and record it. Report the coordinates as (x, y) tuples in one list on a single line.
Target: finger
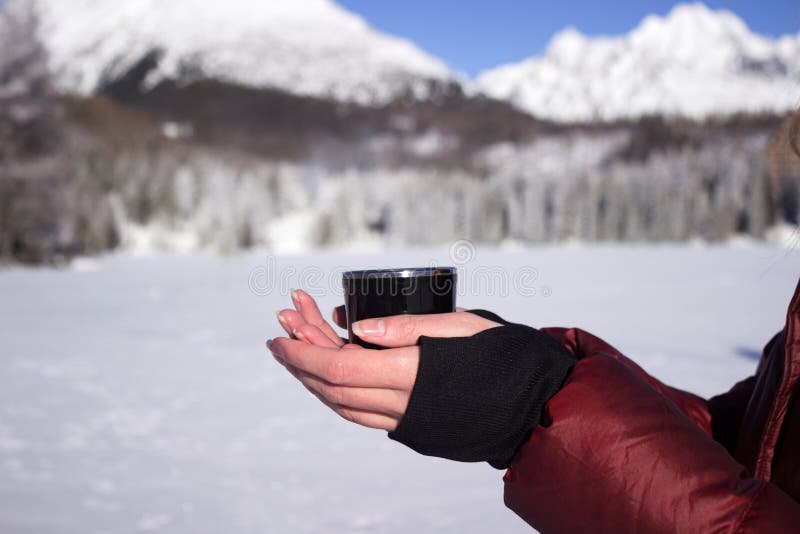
[(358, 367), (307, 306), (366, 418), (405, 330), (389, 402), (460, 309), (313, 335), (339, 316), (362, 417), (290, 320)]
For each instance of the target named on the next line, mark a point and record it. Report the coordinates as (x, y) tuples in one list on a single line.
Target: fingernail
[(295, 296), (280, 318), (369, 327), (299, 335)]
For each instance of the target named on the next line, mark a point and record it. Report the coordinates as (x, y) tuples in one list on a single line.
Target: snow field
[(136, 394)]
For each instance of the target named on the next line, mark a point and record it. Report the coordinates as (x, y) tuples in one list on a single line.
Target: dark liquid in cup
[(384, 292)]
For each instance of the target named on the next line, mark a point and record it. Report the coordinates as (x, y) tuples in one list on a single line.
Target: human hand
[(368, 387), (305, 322)]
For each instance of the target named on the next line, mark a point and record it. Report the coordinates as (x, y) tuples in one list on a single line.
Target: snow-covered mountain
[(694, 62), (306, 47)]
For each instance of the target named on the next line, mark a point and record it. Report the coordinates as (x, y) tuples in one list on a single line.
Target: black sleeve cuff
[(478, 398)]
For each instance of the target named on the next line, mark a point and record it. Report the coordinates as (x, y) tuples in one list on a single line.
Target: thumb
[(405, 330)]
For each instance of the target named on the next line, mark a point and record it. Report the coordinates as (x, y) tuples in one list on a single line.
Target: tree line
[(85, 175)]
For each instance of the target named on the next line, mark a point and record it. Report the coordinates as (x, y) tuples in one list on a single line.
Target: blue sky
[(475, 35)]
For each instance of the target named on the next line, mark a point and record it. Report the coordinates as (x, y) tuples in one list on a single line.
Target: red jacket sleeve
[(621, 452)]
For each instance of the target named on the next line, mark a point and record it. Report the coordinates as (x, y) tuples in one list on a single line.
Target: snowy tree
[(29, 140)]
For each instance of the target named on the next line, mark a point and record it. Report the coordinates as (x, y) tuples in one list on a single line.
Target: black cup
[(384, 292)]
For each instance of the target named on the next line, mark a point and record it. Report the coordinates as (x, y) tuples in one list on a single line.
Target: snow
[(308, 47), (555, 188), (136, 394), (694, 62)]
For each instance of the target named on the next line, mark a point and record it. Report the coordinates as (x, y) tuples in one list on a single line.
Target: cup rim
[(402, 272)]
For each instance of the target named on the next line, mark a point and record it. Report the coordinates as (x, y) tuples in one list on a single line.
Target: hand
[(368, 387), (305, 322)]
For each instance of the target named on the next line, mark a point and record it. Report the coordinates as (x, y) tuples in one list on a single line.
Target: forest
[(211, 166)]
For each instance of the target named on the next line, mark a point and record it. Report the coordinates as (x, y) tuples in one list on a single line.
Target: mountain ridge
[(694, 62), (307, 47)]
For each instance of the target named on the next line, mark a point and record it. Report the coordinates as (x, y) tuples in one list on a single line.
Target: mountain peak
[(308, 47), (568, 45), (699, 15), (693, 62)]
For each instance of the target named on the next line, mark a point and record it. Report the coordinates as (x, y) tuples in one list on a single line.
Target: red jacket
[(619, 451)]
